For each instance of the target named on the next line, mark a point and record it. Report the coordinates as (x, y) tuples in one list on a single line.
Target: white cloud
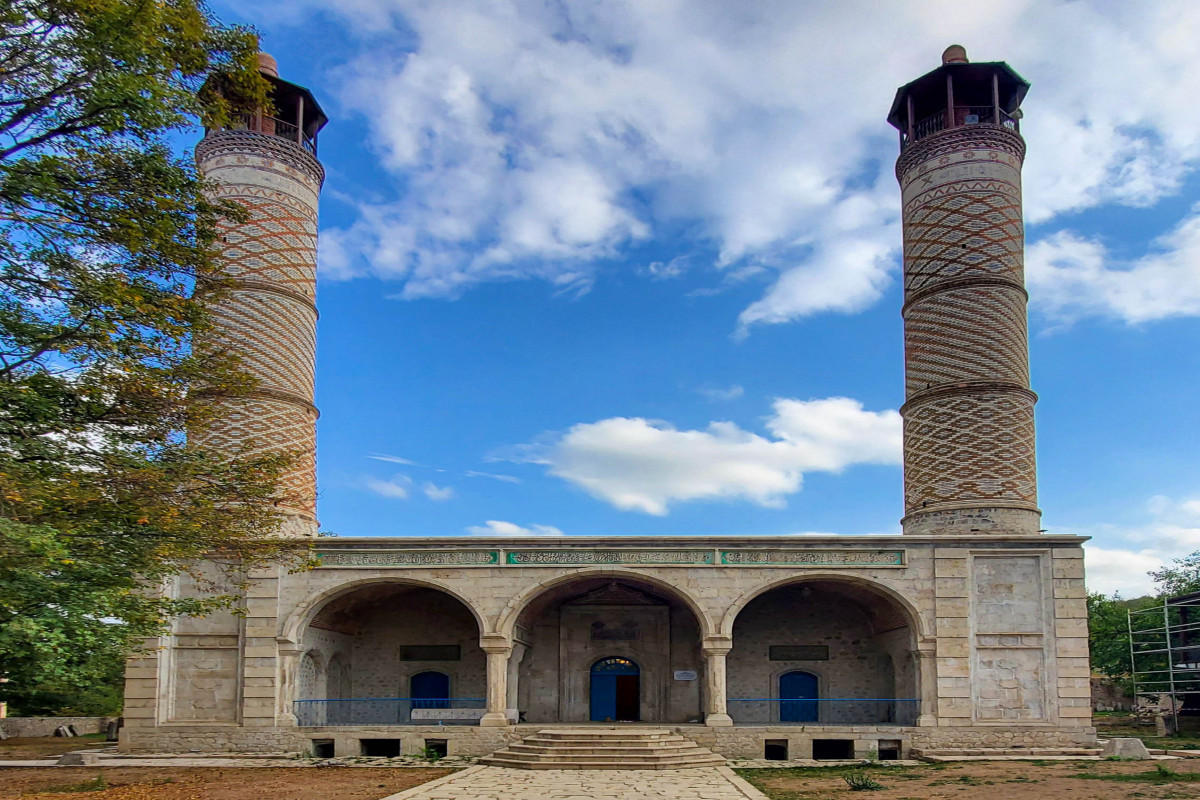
[(393, 460), (437, 493), (493, 475), (1070, 276), (396, 488), (644, 465), (495, 527), (1119, 559), (533, 139), (720, 395)]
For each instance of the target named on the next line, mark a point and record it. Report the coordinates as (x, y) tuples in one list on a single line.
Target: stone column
[(926, 664), (498, 651), (716, 714)]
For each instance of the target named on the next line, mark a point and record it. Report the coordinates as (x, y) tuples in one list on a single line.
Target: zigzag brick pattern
[(975, 230), (969, 447), (268, 318), (966, 334), (261, 425), (968, 421)]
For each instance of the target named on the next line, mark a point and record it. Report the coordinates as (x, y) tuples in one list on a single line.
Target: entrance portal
[(615, 690), (797, 697)]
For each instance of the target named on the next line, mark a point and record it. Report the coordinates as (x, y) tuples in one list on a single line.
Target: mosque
[(966, 632)]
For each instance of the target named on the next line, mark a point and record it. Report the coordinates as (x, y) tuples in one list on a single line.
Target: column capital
[(716, 645), (495, 643)]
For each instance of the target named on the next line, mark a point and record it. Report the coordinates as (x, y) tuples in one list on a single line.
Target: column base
[(494, 719), (926, 721), (718, 720)]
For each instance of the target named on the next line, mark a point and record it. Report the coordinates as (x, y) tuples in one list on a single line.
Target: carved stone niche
[(614, 620)]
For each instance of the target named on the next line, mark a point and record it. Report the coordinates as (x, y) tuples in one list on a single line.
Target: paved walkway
[(501, 783)]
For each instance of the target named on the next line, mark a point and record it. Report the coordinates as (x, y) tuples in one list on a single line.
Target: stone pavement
[(502, 783)]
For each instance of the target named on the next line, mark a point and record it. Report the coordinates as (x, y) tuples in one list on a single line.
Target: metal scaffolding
[(1164, 652)]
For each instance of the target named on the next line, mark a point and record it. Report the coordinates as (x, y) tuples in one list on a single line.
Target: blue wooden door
[(604, 679), (797, 697), (430, 690)]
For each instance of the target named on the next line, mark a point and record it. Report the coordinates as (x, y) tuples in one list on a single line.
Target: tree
[(1181, 577), (105, 232)]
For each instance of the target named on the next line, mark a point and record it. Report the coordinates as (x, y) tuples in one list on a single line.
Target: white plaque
[(685, 674)]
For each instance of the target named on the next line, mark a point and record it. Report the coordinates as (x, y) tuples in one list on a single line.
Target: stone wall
[(44, 726)]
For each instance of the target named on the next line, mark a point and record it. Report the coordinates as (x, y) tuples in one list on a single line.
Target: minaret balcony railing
[(964, 116), (273, 126)]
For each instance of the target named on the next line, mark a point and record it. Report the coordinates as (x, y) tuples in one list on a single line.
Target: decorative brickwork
[(968, 419), (269, 318)]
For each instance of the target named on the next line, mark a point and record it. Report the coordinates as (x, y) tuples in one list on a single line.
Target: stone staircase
[(604, 748)]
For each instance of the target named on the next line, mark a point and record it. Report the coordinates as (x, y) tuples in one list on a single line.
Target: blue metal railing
[(388, 711), (824, 711)]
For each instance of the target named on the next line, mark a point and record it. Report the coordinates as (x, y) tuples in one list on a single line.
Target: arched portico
[(388, 638), (856, 641), (561, 628)]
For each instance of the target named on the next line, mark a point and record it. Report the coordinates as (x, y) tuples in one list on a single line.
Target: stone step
[(649, 758), (633, 746), (498, 761), (588, 748), (599, 748)]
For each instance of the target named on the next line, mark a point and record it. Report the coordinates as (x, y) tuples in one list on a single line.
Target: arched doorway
[(429, 689), (615, 690), (798, 697)]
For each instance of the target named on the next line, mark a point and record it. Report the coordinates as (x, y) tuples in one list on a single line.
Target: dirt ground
[(989, 780), (20, 748), (208, 783)]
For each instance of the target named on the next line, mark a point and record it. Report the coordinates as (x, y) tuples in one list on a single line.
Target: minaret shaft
[(969, 464), (268, 318)]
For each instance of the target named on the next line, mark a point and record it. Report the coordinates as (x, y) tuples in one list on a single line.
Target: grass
[(1160, 774), (96, 784)]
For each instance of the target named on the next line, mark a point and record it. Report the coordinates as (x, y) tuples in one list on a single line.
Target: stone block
[(954, 667), (1073, 668), (1069, 588), (950, 568), (952, 607), (1073, 608), (954, 647), (1068, 568), (1127, 748), (955, 707), (953, 627), (950, 587), (1071, 628), (1072, 648), (954, 687), (1067, 552)]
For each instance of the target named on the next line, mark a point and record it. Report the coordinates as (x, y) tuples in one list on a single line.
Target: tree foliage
[(105, 231)]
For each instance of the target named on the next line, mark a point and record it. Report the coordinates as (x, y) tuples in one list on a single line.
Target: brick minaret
[(268, 164), (968, 415)]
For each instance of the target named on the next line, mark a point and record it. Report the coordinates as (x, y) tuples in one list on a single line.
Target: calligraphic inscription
[(814, 558), (408, 558), (798, 652), (549, 557)]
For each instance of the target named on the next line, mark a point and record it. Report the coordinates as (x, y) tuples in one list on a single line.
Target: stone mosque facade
[(967, 631)]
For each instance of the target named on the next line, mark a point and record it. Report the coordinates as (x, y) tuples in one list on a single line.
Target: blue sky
[(631, 268)]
